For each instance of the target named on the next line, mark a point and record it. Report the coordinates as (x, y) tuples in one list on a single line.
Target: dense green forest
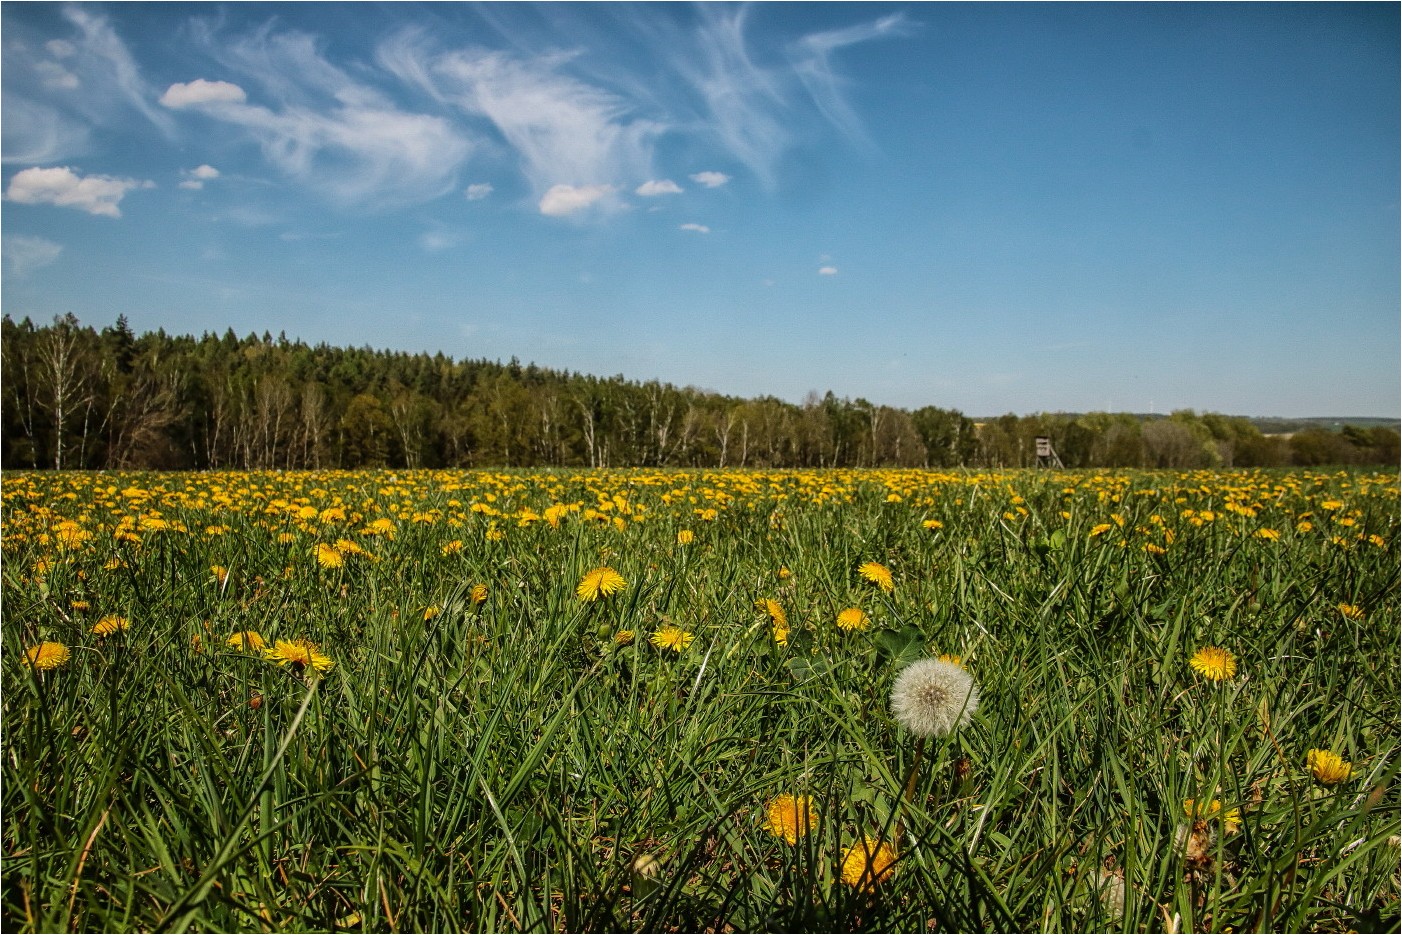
[(76, 397)]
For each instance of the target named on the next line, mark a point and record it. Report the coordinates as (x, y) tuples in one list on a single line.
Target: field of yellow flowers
[(663, 700)]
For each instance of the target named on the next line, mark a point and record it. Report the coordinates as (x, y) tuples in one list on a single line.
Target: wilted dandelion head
[(600, 582), (791, 817), (1329, 768), (868, 863), (1213, 662), (47, 655), (1213, 811), (110, 624), (624, 637), (933, 696), (853, 618)]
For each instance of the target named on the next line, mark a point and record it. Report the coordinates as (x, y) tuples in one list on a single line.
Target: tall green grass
[(504, 766)]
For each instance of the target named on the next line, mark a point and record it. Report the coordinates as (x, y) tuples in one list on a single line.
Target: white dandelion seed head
[(932, 697)]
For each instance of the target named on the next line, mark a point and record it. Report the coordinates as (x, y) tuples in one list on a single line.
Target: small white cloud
[(200, 91), (434, 241), (478, 190), (60, 48), (699, 228), (56, 76), (827, 271), (196, 177), (710, 179), (562, 200), (23, 254), (654, 187), (96, 194)]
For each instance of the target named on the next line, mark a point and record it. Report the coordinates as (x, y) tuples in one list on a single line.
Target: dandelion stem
[(910, 787)]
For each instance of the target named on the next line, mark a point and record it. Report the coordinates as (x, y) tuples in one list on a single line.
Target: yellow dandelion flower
[(1328, 768), (328, 556), (781, 635), (1230, 818), (1377, 540), (952, 657), (685, 537), (784, 573), (866, 864), (479, 594), (110, 624), (878, 574), (47, 655), (790, 817), (1331, 505), (494, 534), (624, 637), (432, 611), (1268, 534), (932, 524), (1352, 612), (600, 582), (671, 637), (251, 640), (452, 548), (220, 573), (299, 654), (774, 610), (1213, 662), (80, 606), (853, 618), (1100, 529)]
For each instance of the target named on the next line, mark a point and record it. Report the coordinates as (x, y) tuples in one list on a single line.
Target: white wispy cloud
[(564, 131), (106, 56), (478, 190), (563, 200), (342, 138), (811, 58), (827, 271), (57, 91), (654, 187), (710, 179), (61, 186), (698, 228), (25, 254)]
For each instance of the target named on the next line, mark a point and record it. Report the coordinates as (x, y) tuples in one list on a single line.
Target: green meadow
[(398, 701)]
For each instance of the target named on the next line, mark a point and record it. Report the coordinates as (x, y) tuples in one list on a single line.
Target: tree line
[(77, 397)]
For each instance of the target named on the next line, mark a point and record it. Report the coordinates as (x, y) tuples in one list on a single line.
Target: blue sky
[(990, 207)]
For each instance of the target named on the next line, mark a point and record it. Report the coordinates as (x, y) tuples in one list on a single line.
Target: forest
[(75, 397)]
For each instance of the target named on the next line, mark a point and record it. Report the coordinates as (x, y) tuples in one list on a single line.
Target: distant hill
[(1275, 425), (1271, 425)]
